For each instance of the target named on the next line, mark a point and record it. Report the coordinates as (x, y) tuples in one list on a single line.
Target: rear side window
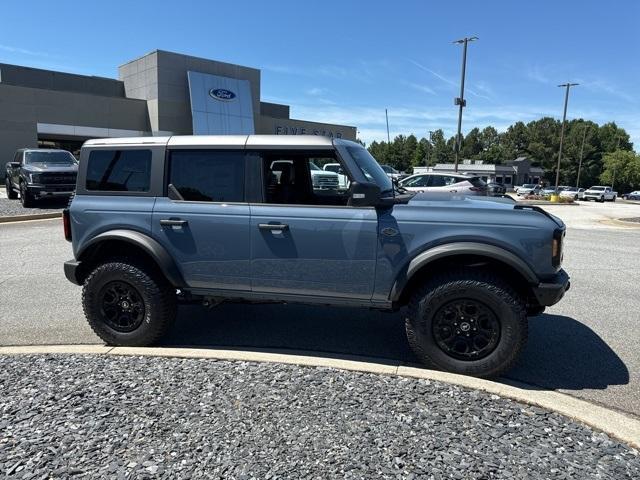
[(119, 170), (208, 175), (477, 182)]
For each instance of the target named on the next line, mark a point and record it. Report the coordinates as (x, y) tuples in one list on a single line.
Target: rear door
[(207, 231)]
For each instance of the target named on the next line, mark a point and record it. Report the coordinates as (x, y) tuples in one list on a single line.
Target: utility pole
[(460, 101), (564, 118), (584, 136), (387, 117), (429, 140)]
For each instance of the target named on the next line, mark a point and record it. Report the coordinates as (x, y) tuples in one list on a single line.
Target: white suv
[(452, 183)]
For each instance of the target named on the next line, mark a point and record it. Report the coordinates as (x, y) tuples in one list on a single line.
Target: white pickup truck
[(600, 194)]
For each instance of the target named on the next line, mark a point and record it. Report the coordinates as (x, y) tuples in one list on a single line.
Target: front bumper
[(51, 190), (551, 291), (71, 270)]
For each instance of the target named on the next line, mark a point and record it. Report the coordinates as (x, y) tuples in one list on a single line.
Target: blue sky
[(346, 61)]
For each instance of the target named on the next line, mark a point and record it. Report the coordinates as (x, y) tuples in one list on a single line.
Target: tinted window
[(208, 175), (119, 170), (437, 181)]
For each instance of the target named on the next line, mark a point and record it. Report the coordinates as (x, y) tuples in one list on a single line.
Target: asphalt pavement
[(586, 346)]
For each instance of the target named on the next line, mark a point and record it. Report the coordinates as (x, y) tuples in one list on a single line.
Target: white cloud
[(24, 51), (420, 87), (316, 91)]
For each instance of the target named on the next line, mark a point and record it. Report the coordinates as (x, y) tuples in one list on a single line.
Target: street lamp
[(460, 101), (429, 141), (584, 137), (564, 118)]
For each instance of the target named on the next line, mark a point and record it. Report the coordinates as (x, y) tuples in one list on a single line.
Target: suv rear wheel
[(468, 322), (11, 194), (128, 304)]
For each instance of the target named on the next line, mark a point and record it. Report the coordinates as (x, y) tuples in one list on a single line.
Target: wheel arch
[(463, 254), (118, 243)]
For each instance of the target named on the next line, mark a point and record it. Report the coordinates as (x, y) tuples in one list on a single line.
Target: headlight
[(34, 178)]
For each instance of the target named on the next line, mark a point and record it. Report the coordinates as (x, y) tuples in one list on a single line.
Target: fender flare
[(461, 248), (152, 247)]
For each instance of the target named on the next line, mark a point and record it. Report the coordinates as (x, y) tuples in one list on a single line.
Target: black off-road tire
[(11, 193), (158, 297), (477, 285), (26, 198)]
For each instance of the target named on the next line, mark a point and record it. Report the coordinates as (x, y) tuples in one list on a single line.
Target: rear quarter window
[(119, 171)]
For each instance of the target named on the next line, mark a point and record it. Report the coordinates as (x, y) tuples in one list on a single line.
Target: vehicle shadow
[(561, 353), (53, 203)]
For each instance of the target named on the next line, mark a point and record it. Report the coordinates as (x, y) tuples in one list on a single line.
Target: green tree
[(621, 170), (472, 144)]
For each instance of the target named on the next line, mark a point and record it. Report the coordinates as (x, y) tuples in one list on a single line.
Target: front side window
[(370, 168), (208, 175), (50, 158), (420, 181), (299, 178), (119, 170)]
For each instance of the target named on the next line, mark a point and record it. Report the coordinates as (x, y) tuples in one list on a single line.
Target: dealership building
[(161, 93)]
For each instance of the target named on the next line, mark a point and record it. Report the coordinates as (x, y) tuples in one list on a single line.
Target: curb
[(35, 216), (611, 422)]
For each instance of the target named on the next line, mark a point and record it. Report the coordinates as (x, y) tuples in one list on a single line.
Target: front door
[(305, 240), (206, 231)]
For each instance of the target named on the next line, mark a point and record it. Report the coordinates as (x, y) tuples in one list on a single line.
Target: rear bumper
[(551, 292), (71, 269)]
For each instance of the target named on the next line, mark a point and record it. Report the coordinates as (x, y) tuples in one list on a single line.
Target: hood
[(474, 208), (46, 167), (437, 199)]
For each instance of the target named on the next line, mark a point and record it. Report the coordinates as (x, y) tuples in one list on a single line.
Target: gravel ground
[(135, 417), (14, 207)]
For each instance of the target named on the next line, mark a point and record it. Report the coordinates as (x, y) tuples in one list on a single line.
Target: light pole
[(584, 137), (564, 118), (460, 101), (386, 114)]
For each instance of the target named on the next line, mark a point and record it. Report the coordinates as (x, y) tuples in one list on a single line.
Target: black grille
[(58, 178)]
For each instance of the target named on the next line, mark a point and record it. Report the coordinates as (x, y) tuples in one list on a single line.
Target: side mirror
[(365, 194)]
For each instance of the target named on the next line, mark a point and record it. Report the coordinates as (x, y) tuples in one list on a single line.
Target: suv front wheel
[(468, 322), (26, 198), (128, 304)]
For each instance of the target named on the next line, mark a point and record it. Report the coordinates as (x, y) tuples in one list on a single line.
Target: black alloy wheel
[(121, 306), (466, 329)]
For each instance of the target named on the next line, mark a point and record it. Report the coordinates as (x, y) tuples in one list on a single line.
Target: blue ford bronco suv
[(163, 220)]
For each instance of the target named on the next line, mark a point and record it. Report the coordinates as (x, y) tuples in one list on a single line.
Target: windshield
[(57, 158), (313, 166), (370, 168), (332, 168), (528, 185), (597, 188)]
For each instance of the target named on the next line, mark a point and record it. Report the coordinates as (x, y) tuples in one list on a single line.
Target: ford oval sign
[(222, 94)]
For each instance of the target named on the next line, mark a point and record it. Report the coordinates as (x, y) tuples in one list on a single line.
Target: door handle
[(168, 222), (273, 226)]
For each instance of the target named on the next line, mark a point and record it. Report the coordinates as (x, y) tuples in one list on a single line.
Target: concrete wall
[(160, 78), (49, 80), (22, 108)]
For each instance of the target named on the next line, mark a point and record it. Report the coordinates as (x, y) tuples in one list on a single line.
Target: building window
[(119, 170), (507, 180), (208, 175)]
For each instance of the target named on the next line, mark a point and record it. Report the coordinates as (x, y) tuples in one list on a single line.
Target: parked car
[(635, 195), (38, 173), (450, 183), (343, 181), (550, 190), (529, 189), (320, 179), (600, 193), (496, 189), (195, 221), (573, 192), (392, 173)]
